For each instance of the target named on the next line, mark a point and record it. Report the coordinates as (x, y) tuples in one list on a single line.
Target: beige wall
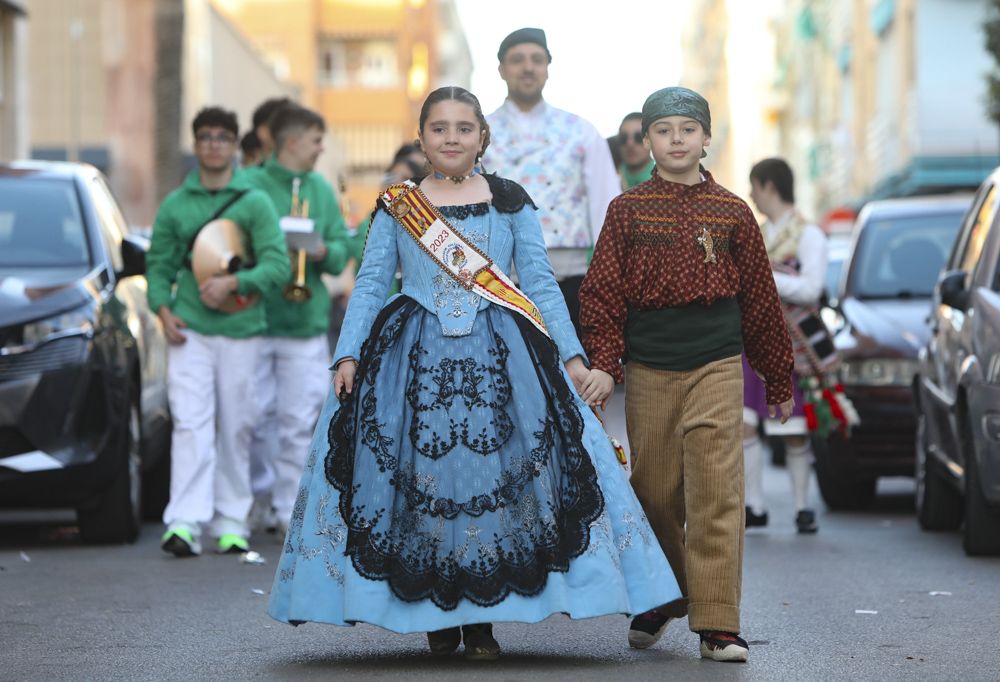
[(130, 116), (66, 52), (222, 68), (13, 90)]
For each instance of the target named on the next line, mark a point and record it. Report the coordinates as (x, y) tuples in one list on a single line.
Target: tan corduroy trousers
[(685, 437)]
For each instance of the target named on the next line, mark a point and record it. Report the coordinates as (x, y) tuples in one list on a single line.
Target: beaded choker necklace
[(457, 179)]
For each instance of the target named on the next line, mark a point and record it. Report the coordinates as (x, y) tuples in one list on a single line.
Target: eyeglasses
[(209, 138), (623, 138)]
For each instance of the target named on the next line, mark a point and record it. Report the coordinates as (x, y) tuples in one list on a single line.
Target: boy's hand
[(214, 290), (317, 256), (172, 326), (786, 410), (597, 388), (577, 372)]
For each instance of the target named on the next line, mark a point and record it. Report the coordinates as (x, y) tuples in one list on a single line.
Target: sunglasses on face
[(636, 137)]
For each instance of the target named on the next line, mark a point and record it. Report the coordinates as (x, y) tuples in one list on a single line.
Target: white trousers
[(293, 378), (212, 393)]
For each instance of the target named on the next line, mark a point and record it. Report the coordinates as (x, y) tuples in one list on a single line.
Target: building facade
[(865, 98), (365, 65), (13, 78), (115, 83)]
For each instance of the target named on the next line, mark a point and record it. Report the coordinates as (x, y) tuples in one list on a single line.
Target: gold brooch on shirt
[(707, 243)]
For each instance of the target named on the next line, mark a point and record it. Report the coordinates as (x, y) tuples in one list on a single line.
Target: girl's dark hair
[(456, 94)]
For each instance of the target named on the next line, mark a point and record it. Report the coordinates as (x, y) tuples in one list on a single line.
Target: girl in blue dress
[(456, 478)]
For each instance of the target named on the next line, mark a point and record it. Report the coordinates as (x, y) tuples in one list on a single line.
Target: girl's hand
[(343, 380), (577, 372)]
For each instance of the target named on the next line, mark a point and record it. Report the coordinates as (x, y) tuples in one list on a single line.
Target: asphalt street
[(870, 597)]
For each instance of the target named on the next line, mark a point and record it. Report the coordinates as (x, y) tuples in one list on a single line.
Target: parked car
[(83, 403), (838, 249), (957, 389), (897, 251)]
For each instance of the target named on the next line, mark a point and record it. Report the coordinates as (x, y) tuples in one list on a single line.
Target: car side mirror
[(951, 288), (133, 256)]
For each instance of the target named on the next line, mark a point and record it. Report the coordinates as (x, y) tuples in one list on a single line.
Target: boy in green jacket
[(212, 354), (292, 376)]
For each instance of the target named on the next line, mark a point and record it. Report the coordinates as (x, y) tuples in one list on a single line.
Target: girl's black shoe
[(444, 642), (479, 642)]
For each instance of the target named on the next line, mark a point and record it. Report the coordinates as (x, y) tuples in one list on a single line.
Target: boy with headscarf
[(680, 285)]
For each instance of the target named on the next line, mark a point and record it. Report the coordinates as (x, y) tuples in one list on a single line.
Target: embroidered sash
[(454, 254)]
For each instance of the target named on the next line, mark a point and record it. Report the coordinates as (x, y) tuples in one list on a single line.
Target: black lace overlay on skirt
[(436, 539)]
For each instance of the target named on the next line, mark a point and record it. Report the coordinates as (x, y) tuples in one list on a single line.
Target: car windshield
[(40, 224), (901, 256)]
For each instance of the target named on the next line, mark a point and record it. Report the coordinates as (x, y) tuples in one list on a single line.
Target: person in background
[(250, 150), (260, 120), (558, 157), (637, 165), (292, 374), (408, 162), (798, 253), (212, 355)]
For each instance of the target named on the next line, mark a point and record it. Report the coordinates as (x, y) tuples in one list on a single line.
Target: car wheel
[(840, 490), (939, 506), (981, 533), (117, 516)]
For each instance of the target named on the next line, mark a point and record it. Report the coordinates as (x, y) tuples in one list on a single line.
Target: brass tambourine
[(221, 249)]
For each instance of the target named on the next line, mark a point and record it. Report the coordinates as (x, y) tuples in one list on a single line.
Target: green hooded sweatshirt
[(170, 281), (311, 317)]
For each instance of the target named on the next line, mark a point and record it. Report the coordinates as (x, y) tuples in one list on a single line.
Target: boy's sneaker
[(754, 519), (646, 629), (180, 542), (805, 521), (231, 543), (724, 646)]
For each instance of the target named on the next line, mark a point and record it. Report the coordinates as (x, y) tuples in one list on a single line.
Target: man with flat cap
[(557, 156)]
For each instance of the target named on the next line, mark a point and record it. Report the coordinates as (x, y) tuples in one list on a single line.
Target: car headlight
[(880, 372), (66, 324)]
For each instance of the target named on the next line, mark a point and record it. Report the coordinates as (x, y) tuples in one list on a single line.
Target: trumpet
[(296, 291)]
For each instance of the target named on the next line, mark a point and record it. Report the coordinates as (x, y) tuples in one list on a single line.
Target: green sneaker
[(180, 542), (231, 543)]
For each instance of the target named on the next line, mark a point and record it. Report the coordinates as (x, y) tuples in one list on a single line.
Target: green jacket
[(630, 179), (311, 317), (170, 282)]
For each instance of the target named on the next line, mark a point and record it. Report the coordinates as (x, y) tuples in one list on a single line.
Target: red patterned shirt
[(652, 254)]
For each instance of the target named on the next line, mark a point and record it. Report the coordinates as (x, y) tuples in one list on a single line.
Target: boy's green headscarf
[(676, 101)]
